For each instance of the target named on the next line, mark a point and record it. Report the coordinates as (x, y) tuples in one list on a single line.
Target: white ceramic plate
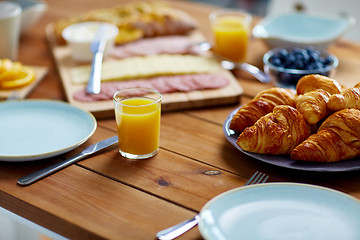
[(281, 211), (37, 129), (285, 161)]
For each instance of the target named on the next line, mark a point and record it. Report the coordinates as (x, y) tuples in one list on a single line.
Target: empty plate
[(37, 129), (281, 211)]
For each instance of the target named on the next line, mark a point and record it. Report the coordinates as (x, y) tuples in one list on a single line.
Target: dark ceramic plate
[(285, 161)]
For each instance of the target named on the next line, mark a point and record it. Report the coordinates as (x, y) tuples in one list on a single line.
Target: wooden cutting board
[(229, 94), (40, 72)]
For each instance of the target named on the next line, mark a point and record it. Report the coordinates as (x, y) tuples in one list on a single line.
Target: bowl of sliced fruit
[(286, 66)]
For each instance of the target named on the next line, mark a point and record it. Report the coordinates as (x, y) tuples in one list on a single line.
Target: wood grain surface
[(109, 197)]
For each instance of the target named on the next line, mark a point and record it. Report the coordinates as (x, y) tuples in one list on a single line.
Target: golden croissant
[(313, 105), (349, 98), (263, 103), (312, 82), (278, 132), (338, 138)]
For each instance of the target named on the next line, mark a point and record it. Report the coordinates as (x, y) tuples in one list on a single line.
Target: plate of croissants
[(315, 127)]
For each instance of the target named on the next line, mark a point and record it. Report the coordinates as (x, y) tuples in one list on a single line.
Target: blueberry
[(313, 57), (326, 61), (318, 65), (297, 51), (282, 54), (276, 62), (311, 50), (315, 66), (308, 67), (300, 64), (290, 62)]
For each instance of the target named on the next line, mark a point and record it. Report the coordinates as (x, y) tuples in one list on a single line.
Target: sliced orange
[(5, 65), (24, 77), (127, 34), (11, 73)]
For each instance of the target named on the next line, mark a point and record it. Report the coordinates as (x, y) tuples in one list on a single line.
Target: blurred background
[(322, 7), (257, 7)]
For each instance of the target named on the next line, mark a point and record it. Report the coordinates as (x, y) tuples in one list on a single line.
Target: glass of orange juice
[(230, 30), (137, 113)]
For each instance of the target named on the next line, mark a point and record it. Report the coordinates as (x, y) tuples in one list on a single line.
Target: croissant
[(312, 82), (263, 103), (278, 132), (349, 98), (337, 139), (313, 105)]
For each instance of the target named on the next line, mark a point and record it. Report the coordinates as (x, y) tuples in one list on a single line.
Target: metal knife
[(27, 180), (97, 48)]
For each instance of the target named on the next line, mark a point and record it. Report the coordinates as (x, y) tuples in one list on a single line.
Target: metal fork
[(177, 230), (14, 96)]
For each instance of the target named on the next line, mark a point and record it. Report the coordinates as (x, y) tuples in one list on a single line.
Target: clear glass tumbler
[(137, 113)]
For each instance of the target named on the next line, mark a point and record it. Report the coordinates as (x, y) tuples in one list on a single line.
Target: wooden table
[(108, 197)]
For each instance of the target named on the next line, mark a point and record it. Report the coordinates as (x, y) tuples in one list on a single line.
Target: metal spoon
[(230, 65)]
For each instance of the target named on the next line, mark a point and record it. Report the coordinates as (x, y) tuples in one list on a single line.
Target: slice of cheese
[(148, 66)]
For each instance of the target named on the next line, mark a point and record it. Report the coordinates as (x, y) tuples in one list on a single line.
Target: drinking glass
[(10, 20), (230, 30), (137, 113)]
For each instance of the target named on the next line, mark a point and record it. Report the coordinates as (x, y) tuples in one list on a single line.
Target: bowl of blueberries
[(286, 66)]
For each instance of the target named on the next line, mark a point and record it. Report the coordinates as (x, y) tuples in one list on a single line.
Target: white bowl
[(301, 30), (80, 35)]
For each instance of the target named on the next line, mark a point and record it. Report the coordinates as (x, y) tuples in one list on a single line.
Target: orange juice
[(138, 125), (230, 36)]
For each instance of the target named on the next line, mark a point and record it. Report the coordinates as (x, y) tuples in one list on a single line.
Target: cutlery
[(97, 48), (28, 179), (177, 230), (230, 65), (14, 96)]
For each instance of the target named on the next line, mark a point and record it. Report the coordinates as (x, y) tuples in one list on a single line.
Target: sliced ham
[(212, 81), (156, 45), (164, 84), (184, 83), (83, 96)]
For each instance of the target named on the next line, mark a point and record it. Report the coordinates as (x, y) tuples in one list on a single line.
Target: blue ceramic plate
[(281, 211), (301, 30), (37, 129), (285, 161)]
